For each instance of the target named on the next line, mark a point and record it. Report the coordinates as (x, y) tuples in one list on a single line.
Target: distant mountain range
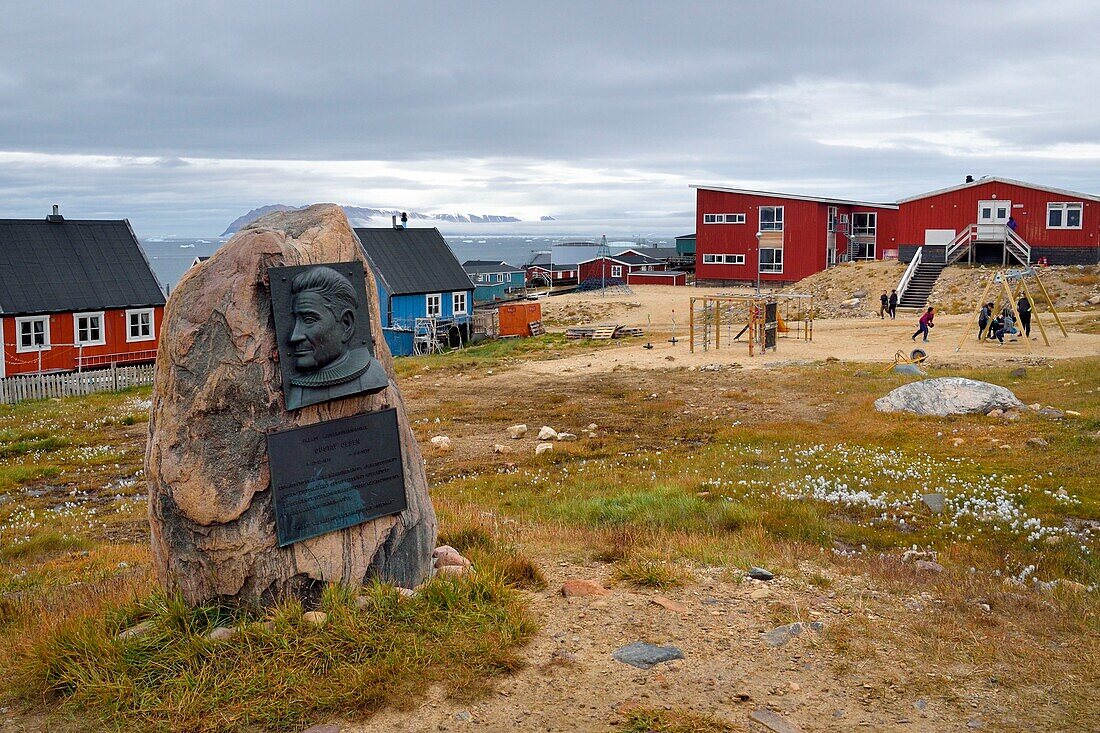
[(362, 217)]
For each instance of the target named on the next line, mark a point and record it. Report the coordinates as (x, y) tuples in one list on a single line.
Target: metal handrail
[(1016, 244), (909, 272), (960, 244)]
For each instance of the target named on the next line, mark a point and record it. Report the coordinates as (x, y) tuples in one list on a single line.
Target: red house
[(541, 271), (631, 267), (75, 294), (787, 237), (784, 237), (970, 222)]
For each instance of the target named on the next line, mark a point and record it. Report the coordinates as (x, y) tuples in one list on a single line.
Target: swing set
[(1007, 286)]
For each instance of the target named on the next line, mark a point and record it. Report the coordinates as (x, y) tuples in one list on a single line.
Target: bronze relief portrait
[(322, 324)]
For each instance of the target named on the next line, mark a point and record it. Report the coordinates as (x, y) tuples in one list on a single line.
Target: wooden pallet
[(624, 331), (536, 328), (591, 332)]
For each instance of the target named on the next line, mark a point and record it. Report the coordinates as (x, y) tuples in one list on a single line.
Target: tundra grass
[(375, 649)]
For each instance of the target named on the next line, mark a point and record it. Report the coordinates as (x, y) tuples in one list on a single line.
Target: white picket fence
[(68, 384)]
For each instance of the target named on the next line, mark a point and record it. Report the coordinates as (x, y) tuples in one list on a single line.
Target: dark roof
[(543, 260), (73, 265), (476, 267), (686, 236), (413, 260)]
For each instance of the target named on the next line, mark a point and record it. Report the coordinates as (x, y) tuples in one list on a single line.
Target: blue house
[(494, 280), (426, 297)]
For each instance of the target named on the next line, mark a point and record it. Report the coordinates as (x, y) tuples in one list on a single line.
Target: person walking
[(884, 305), (1023, 306), (925, 323), (893, 303)]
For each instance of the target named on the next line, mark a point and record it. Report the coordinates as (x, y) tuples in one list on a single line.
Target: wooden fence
[(68, 384)]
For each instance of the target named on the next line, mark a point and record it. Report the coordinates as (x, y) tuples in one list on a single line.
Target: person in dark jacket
[(884, 305), (997, 329), (893, 303), (983, 319), (925, 323), (1023, 306)]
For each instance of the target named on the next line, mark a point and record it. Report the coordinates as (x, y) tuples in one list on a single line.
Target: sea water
[(170, 257)]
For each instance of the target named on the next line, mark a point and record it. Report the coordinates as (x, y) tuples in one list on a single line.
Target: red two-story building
[(744, 234), (75, 294)]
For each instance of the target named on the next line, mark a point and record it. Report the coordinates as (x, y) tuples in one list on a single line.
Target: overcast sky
[(597, 113)]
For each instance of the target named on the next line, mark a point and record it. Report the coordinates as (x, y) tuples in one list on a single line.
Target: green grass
[(653, 720), (385, 651), (648, 572)]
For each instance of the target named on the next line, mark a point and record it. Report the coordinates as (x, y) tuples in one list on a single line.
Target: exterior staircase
[(919, 278), (920, 286)]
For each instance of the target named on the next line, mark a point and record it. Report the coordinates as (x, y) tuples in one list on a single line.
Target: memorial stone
[(280, 456)]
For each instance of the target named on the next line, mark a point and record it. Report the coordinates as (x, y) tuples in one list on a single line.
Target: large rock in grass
[(219, 392), (948, 396)]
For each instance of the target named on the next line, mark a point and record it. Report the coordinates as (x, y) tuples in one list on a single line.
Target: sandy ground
[(571, 682), (853, 339)]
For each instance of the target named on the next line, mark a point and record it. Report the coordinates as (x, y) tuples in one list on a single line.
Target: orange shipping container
[(515, 318)]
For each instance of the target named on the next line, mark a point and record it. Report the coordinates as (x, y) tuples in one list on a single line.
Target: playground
[(663, 314)]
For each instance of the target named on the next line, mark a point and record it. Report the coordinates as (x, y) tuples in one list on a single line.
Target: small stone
[(957, 442), (1073, 413), (579, 587), (760, 574), (136, 632), (323, 728), (668, 604), (222, 633), (1051, 413), (447, 555), (563, 658), (928, 566), (591, 426), (975, 724), (934, 501), (317, 618), (773, 721), (498, 448), (643, 655), (452, 571), (442, 442), (566, 436), (760, 594), (795, 687), (1018, 372), (407, 592), (920, 704), (995, 413), (543, 448), (547, 433), (463, 716), (517, 431)]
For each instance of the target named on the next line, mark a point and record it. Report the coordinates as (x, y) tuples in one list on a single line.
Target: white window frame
[(771, 267), (776, 225), (1065, 207), (455, 298), (723, 218), (870, 230), (723, 259), (133, 313), (833, 218), (435, 299), (616, 271), (19, 347), (100, 316)]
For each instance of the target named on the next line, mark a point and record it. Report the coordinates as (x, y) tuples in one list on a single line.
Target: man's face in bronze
[(320, 337)]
